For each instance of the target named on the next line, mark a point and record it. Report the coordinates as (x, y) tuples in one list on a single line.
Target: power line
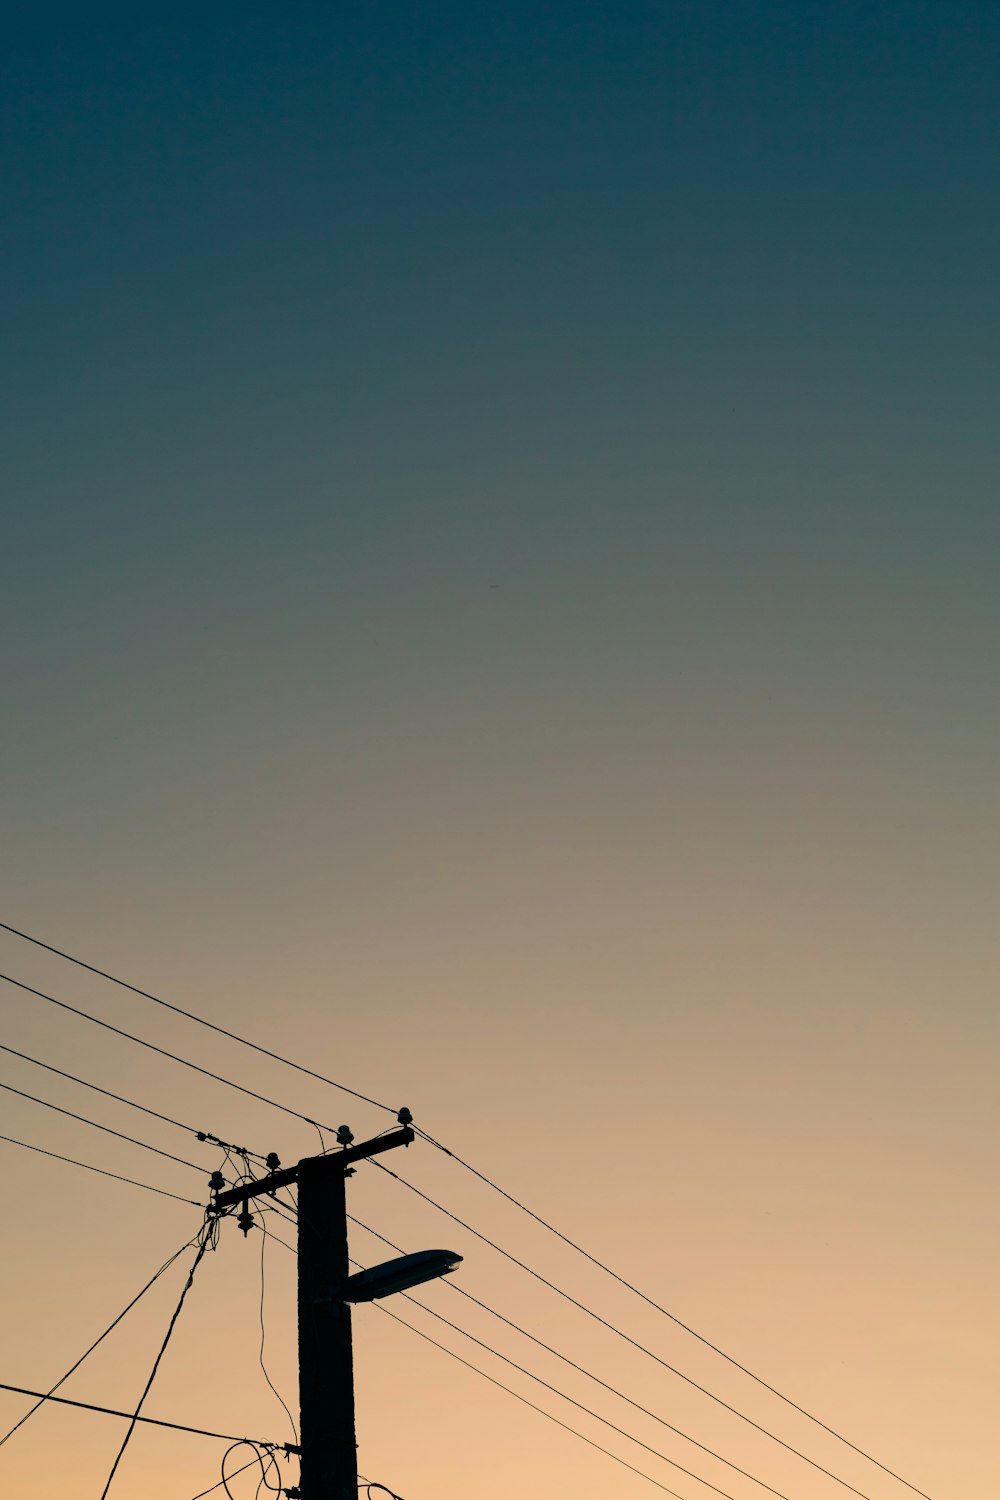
[(112, 1411), (220, 1482), (524, 1399), (581, 1369), (274, 1388), (204, 1241), (191, 1016), (570, 1399), (162, 1051), (277, 1238), (622, 1335), (534, 1406), (288, 1062), (72, 1162), (730, 1359), (106, 1128), (595, 1416), (120, 1098), (223, 1483), (99, 1340)]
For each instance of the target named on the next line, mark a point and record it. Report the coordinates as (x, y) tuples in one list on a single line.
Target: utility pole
[(329, 1465)]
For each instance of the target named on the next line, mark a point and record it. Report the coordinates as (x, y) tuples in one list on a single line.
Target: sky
[(500, 603)]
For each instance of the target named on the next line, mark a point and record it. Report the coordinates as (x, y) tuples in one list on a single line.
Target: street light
[(399, 1275)]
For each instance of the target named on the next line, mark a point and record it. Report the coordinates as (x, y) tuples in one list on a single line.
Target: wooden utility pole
[(326, 1364), (326, 1368)]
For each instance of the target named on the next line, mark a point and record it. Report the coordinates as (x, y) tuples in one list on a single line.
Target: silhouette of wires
[(100, 1338), (595, 1416), (220, 1482), (665, 1312), (206, 1240), (101, 1171), (84, 1120), (192, 1016), (489, 1182), (258, 1458), (580, 1369), (161, 1051), (719, 1401), (114, 1411), (274, 1388), (201, 1135), (524, 1400)]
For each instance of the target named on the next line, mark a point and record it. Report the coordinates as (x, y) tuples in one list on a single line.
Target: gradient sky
[(500, 600)]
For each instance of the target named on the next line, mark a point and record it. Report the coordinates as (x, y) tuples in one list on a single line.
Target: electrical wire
[(595, 1416), (112, 1411), (534, 1406), (257, 1459), (745, 1473), (274, 1388), (120, 1098), (278, 1240), (100, 1339), (205, 1240), (272, 1464), (288, 1062), (191, 1016), (454, 1287), (622, 1432), (220, 1482), (730, 1359), (162, 1051), (106, 1128), (622, 1335), (72, 1162)]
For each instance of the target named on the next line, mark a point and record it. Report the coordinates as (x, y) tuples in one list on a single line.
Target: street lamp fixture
[(399, 1275)]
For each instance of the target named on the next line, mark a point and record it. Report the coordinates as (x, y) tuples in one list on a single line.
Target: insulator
[(404, 1117), (344, 1135), (271, 1161)]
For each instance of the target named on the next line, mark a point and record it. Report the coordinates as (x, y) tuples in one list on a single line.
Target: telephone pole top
[(326, 1289)]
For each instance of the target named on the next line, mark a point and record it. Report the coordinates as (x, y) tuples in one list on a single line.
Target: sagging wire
[(274, 1388), (100, 1339), (207, 1240), (220, 1482), (258, 1458)]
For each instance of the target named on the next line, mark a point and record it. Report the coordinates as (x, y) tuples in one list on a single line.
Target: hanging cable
[(191, 1016), (205, 1239), (106, 1128), (257, 1459), (595, 1416), (719, 1401), (72, 1162), (202, 1135), (580, 1369), (274, 1388), (636, 1291), (220, 1482), (534, 1406), (100, 1339), (113, 1411), (162, 1051)]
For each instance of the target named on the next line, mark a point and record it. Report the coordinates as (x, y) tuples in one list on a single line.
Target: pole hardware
[(326, 1290)]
